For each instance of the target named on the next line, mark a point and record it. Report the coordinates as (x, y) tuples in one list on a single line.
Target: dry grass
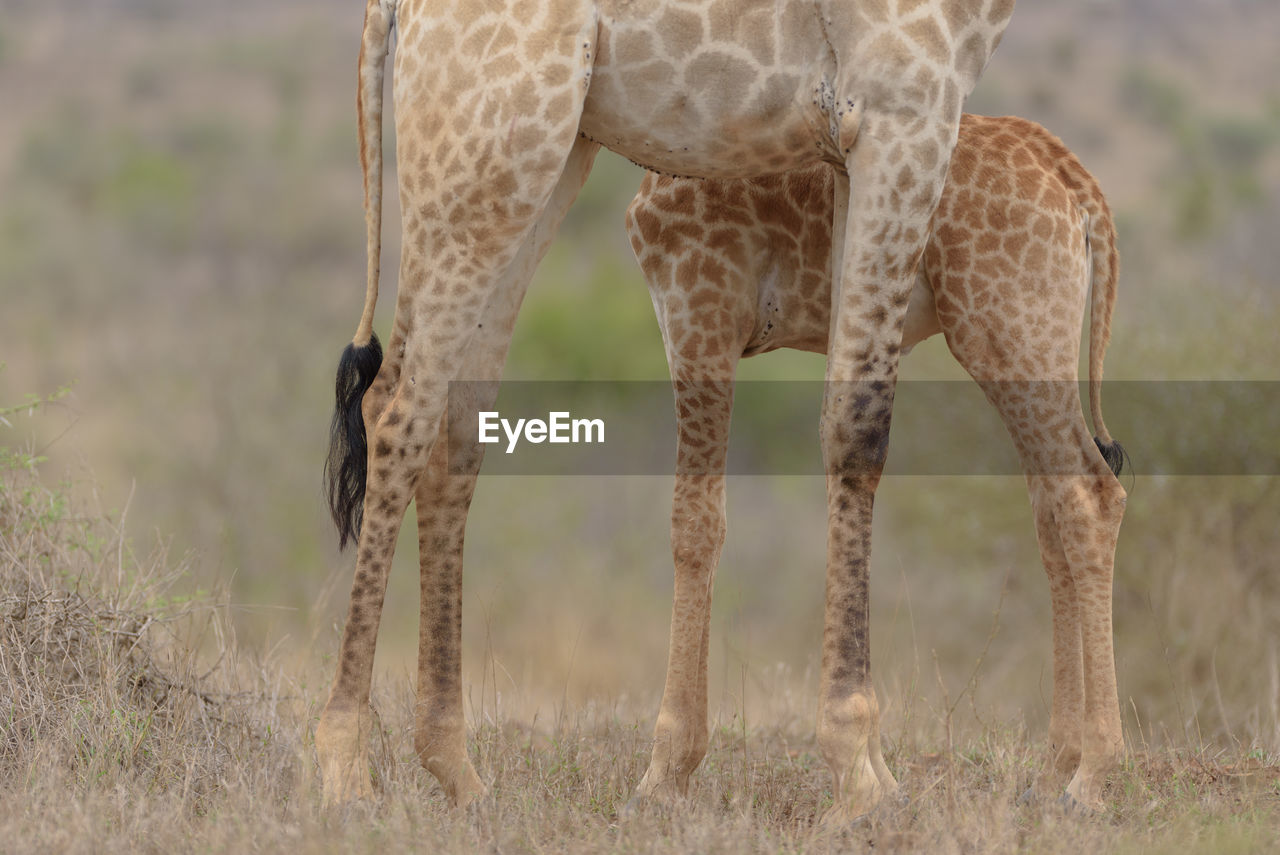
[(133, 721)]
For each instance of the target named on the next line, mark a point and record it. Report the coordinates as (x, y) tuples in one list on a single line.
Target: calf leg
[(1078, 505), (1067, 711), (1088, 509), (703, 410)]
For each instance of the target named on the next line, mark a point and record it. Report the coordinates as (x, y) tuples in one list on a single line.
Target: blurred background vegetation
[(181, 239)]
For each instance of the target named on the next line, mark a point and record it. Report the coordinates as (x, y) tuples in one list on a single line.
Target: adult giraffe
[(501, 106)]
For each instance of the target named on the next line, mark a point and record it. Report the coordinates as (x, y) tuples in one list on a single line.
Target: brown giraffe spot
[(680, 31), (633, 47), (926, 33), (972, 55)]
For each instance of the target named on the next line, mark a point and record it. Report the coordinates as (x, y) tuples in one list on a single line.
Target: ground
[(135, 721)]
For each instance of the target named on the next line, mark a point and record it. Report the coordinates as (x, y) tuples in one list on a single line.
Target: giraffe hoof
[(447, 761), (342, 789), (470, 790), (341, 742), (840, 818), (633, 807), (640, 805), (898, 800), (1071, 806), (661, 798), (891, 804)]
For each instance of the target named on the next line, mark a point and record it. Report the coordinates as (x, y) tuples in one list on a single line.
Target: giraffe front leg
[(896, 170), (896, 115), (680, 739), (848, 710)]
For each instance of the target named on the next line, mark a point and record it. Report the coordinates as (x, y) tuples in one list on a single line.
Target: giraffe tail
[(379, 16), (347, 464), (1104, 259)]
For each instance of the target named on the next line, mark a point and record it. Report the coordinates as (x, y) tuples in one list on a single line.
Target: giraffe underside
[(730, 89)]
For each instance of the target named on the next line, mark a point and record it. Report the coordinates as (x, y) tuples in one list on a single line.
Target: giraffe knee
[(1090, 500), (1102, 501), (854, 430), (697, 527), (1113, 498)]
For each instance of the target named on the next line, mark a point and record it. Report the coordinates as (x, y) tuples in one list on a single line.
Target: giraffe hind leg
[(464, 223), (443, 500), (440, 731)]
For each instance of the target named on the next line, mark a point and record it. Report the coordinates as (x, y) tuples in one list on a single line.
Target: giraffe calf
[(740, 267)]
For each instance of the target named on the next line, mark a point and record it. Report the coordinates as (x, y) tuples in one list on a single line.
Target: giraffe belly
[(922, 314), (701, 91), (789, 317)]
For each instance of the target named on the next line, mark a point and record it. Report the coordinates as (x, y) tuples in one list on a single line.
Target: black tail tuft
[(348, 462), (1113, 453)]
